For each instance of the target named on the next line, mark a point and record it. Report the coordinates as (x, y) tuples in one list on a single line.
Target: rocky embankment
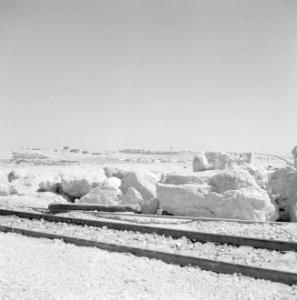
[(221, 185)]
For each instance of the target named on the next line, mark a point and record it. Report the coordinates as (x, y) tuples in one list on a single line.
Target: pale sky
[(214, 75)]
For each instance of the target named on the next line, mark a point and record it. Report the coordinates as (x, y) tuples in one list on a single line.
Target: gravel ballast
[(285, 260), (279, 231), (33, 268)]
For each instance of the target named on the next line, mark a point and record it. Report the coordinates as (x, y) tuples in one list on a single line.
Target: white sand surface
[(33, 268)]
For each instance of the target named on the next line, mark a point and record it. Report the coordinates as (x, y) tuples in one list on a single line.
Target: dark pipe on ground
[(91, 207)]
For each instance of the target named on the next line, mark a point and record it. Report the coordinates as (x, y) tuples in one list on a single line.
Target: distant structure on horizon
[(141, 151)]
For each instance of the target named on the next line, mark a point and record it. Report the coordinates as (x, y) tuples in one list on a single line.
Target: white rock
[(143, 181), (194, 178), (232, 180), (219, 160), (293, 213), (183, 199), (282, 188), (41, 200), (260, 174), (249, 204), (132, 197), (50, 183), (200, 163), (4, 190), (3, 178), (150, 206), (112, 183), (250, 158), (78, 183), (114, 172), (98, 196), (32, 183), (198, 200), (24, 185), (223, 160)]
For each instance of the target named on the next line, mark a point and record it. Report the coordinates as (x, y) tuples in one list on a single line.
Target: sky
[(216, 75)]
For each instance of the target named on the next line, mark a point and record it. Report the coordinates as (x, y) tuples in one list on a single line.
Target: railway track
[(183, 260), (175, 233)]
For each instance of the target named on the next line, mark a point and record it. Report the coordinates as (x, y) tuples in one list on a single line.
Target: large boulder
[(16, 174), (232, 180), (24, 185), (249, 204), (78, 183), (293, 213), (4, 189), (198, 200), (143, 181), (282, 188), (220, 161), (99, 196), (194, 178), (28, 184), (260, 174), (132, 197), (3, 178), (112, 183), (38, 200), (50, 183), (182, 199), (150, 206), (114, 172), (223, 160), (200, 163)]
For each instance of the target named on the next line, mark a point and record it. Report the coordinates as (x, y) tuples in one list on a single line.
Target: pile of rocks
[(222, 185), (108, 186), (232, 194)]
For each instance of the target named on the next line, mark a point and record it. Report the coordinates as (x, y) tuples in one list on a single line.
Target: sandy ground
[(181, 163), (42, 269)]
